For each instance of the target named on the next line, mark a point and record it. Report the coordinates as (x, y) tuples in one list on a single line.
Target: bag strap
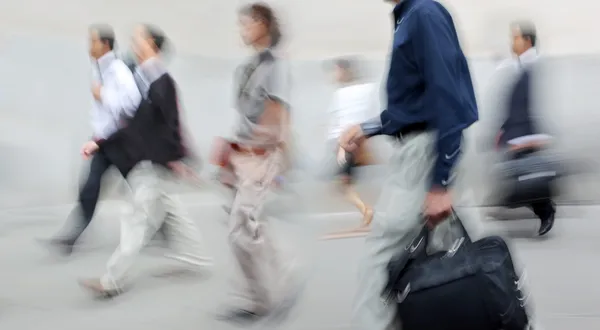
[(417, 249)]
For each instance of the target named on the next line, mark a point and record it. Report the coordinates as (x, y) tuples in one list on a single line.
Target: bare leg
[(353, 197)]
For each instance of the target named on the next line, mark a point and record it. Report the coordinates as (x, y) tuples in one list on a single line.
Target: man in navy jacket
[(430, 102)]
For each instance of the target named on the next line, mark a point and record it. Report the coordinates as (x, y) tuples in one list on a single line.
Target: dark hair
[(158, 37), (106, 34), (263, 12), (343, 63), (527, 30), (347, 64)]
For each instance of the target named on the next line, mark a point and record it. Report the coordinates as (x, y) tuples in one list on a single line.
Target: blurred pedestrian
[(257, 155), (191, 158), (150, 149), (116, 99), (520, 134), (430, 102), (352, 104)]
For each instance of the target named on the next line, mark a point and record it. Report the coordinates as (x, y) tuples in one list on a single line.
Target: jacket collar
[(152, 69), (402, 7), (528, 57)]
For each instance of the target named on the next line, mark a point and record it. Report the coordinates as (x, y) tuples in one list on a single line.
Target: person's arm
[(440, 59), (122, 98), (276, 94), (163, 95)]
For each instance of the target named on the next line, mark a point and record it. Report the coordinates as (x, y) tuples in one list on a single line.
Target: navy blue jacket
[(428, 81), (518, 121)]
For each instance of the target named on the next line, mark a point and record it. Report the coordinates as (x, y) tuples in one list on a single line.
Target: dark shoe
[(62, 246), (241, 316), (96, 288), (547, 223)]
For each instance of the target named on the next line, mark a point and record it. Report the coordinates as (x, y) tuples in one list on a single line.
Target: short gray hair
[(528, 31)]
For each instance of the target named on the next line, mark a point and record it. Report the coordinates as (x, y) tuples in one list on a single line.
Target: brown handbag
[(221, 152)]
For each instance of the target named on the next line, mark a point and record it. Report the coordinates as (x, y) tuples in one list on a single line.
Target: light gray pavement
[(40, 291)]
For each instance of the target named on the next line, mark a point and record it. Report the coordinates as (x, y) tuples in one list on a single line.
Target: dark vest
[(519, 121)]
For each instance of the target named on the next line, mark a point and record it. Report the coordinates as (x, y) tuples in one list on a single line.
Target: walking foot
[(61, 246), (97, 289)]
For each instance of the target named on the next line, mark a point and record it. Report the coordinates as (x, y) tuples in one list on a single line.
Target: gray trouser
[(397, 221), (152, 207), (250, 239)]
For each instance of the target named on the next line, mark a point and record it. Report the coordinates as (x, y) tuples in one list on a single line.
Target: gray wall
[(45, 102)]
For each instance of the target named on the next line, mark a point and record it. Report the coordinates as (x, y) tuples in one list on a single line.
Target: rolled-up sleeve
[(123, 96), (438, 55), (277, 85)]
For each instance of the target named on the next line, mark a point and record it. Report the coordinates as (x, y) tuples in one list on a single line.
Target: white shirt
[(528, 57), (351, 105), (119, 96)]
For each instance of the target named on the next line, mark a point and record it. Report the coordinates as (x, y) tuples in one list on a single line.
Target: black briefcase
[(473, 286), (528, 178)]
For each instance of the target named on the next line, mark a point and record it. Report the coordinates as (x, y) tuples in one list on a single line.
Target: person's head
[(259, 26), (395, 2), (102, 40), (343, 71), (524, 37), (148, 41)]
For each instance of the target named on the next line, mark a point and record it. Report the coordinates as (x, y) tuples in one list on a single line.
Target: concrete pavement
[(40, 290)]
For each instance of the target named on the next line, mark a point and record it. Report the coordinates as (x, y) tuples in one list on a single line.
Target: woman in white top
[(352, 104)]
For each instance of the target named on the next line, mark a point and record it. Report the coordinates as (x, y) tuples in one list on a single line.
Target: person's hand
[(438, 206), (497, 139), (88, 149), (351, 138), (183, 171), (341, 156), (220, 153), (96, 91)]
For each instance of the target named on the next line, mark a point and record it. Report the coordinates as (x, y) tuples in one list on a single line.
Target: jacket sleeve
[(438, 56), (163, 95), (119, 134)]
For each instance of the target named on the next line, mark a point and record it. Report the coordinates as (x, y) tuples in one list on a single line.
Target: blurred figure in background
[(520, 134), (352, 104), (116, 97), (150, 149), (257, 155)]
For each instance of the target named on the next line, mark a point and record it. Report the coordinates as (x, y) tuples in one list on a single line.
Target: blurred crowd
[(139, 129)]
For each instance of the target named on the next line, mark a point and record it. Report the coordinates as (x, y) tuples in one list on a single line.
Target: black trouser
[(542, 208), (89, 193)]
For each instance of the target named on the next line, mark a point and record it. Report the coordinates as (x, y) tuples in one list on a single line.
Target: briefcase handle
[(417, 249)]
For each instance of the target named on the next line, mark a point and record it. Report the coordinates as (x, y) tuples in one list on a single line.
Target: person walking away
[(116, 97), (430, 102), (150, 150), (257, 158)]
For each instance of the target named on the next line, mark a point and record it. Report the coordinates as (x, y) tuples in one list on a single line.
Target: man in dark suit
[(150, 151), (519, 133)]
